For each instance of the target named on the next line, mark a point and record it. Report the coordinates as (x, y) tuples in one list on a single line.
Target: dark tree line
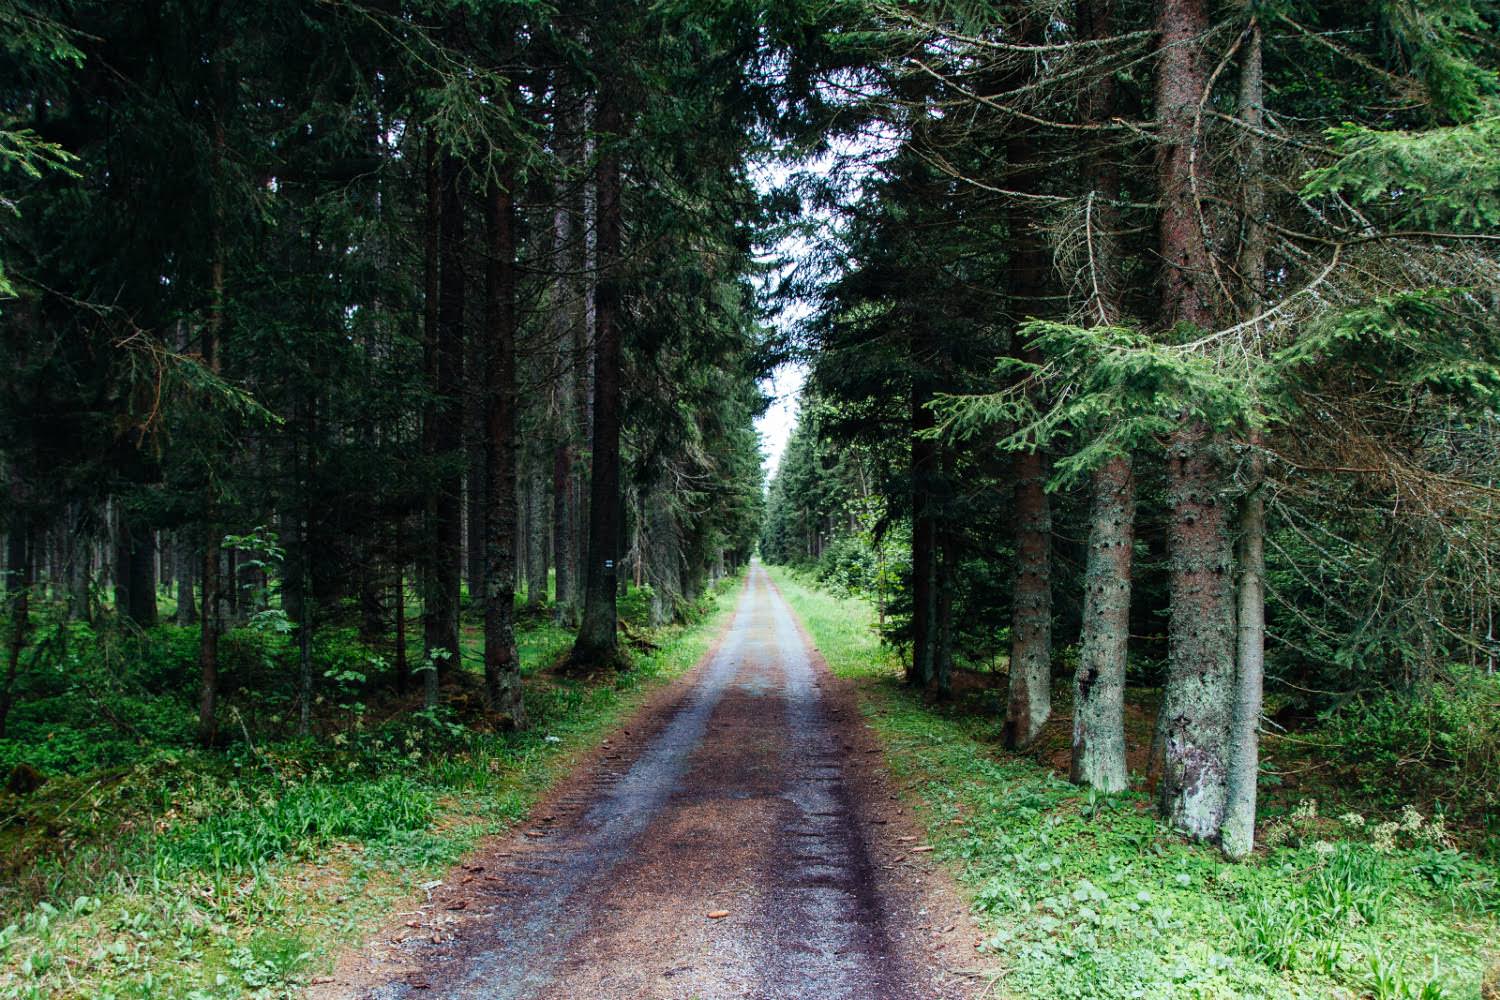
[(333, 314), (1149, 335)]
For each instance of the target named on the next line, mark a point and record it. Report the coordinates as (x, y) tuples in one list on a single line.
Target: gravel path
[(741, 843)]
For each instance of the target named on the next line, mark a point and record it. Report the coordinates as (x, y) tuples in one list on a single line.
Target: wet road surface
[(734, 799)]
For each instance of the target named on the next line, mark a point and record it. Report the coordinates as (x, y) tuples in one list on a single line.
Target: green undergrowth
[(1084, 896), (155, 870)]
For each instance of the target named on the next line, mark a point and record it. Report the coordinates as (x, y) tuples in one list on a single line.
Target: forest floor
[(724, 829), (1083, 896), (736, 839), (147, 868)]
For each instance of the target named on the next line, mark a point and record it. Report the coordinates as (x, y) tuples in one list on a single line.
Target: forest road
[(736, 839)]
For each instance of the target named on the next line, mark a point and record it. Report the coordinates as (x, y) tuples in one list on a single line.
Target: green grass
[(1087, 896), (170, 872)]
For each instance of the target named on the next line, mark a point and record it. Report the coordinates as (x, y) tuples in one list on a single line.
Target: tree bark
[(208, 634), (1238, 833), (78, 549), (538, 537), (1030, 702), (440, 617), (187, 610), (403, 668), (942, 657), (431, 292), (502, 669), (923, 534), (1029, 705), (19, 579), (142, 569), (1194, 721), (566, 336), (120, 537), (597, 638), (476, 447), (1099, 685), (562, 530)]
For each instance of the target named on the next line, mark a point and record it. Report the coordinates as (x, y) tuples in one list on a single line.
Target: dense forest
[(379, 386), (1162, 338), (314, 310)]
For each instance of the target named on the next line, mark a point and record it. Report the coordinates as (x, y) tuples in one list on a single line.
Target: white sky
[(851, 155), (785, 384), (775, 425)]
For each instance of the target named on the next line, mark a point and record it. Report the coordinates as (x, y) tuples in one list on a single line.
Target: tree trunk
[(942, 657), (19, 579), (1195, 710), (304, 644), (1194, 721), (142, 567), (431, 292), (584, 321), (121, 539), (538, 538), (596, 642), (923, 532), (1099, 686), (502, 668), (232, 589), (78, 541), (403, 668), (1030, 701), (562, 530), (566, 330), (440, 617), (476, 447), (187, 611), (662, 549), (1238, 833), (1030, 697), (208, 641)]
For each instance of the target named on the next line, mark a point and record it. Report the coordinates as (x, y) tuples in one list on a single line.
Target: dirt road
[(736, 840)]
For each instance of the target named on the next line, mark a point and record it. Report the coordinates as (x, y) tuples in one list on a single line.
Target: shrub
[(300, 819), (1442, 742)]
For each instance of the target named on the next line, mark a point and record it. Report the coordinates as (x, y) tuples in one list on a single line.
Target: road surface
[(740, 844)]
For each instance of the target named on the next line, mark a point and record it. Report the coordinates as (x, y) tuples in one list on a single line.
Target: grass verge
[(199, 876), (1087, 896)]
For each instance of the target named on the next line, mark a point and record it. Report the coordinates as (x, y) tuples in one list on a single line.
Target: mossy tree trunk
[(1238, 834), (1030, 697), (1029, 705), (1099, 685), (1193, 727)]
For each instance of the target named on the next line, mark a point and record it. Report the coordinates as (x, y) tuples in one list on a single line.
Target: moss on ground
[(193, 875), (1084, 896)]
